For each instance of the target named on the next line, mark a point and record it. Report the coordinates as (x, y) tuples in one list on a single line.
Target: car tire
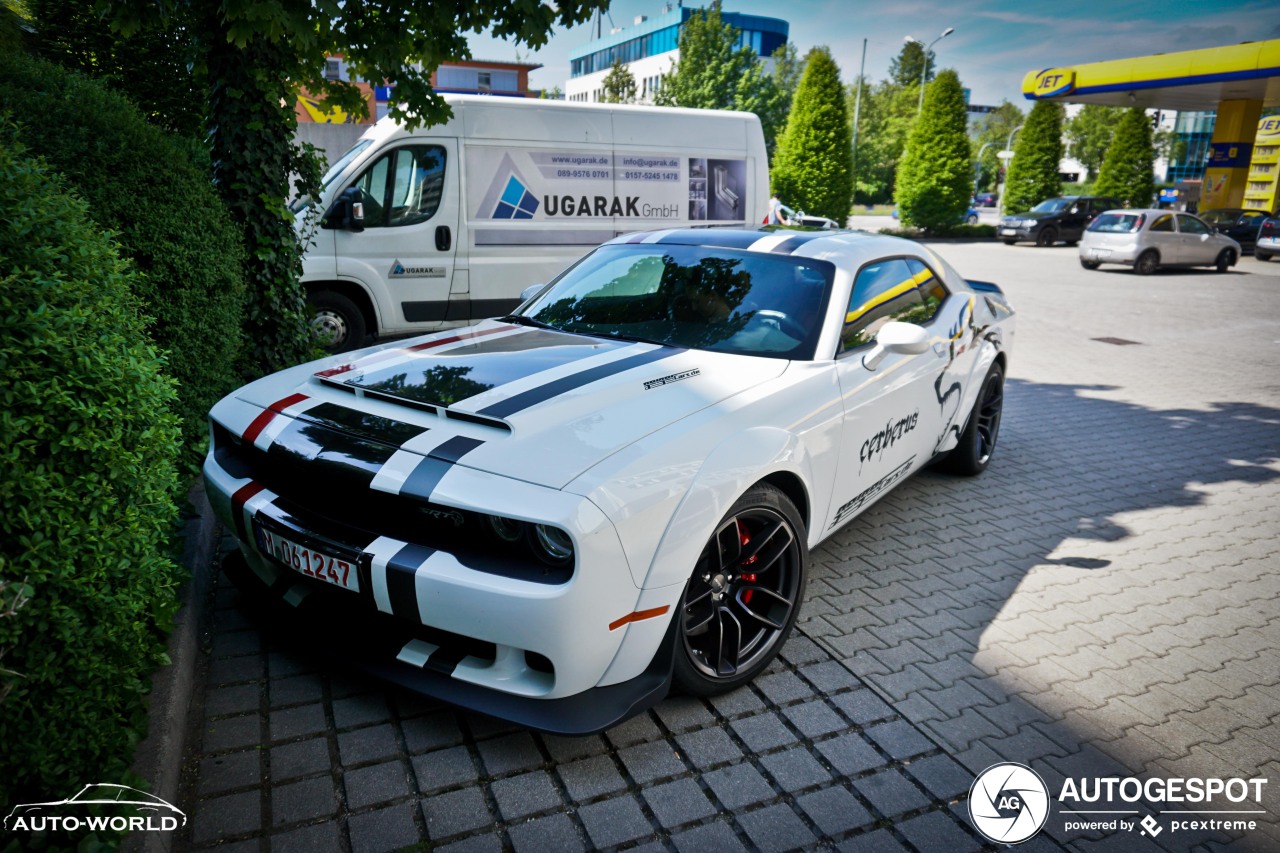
[(1147, 263), (338, 324), (1226, 260), (1262, 256), (1008, 242), (1090, 265), (973, 452), (972, 219), (1047, 237), (742, 601)]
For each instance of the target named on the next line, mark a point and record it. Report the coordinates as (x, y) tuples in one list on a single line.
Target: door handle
[(444, 238)]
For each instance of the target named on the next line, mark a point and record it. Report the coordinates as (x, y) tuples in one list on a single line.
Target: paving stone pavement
[(1104, 601)]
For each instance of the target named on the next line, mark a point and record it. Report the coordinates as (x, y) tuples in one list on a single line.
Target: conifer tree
[(1033, 171), (935, 175), (1126, 171), (812, 168)]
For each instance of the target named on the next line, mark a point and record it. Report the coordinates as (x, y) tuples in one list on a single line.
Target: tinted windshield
[(1052, 205), (693, 296), (1117, 223), (336, 169)]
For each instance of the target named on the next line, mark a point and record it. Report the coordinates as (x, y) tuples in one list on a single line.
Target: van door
[(405, 254)]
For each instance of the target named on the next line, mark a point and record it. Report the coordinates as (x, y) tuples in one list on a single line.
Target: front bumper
[(1016, 232), (373, 644)]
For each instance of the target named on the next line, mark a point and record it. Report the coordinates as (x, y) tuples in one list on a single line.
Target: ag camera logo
[(1008, 803)]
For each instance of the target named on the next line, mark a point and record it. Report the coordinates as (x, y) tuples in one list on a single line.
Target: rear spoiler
[(984, 286)]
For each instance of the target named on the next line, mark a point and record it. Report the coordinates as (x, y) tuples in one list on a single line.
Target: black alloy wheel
[(742, 601), (973, 452), (1147, 263), (1047, 236)]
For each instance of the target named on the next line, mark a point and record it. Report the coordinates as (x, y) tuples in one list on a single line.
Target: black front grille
[(327, 491)]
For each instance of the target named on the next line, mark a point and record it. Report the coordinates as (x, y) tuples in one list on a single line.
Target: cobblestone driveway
[(1105, 601)]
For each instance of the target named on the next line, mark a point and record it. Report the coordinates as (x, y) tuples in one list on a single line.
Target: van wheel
[(1147, 263), (338, 324), (1047, 237), (1225, 260), (741, 603)]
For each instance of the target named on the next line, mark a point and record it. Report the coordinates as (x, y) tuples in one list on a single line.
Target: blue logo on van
[(516, 201)]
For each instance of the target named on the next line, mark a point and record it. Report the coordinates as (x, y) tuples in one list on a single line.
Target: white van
[(440, 226)]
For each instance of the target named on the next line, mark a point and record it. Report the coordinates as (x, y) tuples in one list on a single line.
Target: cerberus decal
[(950, 399)]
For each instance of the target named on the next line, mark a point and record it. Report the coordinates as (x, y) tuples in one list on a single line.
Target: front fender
[(735, 465)]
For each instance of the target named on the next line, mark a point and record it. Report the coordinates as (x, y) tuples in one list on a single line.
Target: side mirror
[(347, 211), (895, 337), (530, 292)]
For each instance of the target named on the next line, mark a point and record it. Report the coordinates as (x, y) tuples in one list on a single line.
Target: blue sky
[(993, 46)]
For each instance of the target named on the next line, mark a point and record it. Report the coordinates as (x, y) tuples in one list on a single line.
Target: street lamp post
[(1006, 155), (924, 65)]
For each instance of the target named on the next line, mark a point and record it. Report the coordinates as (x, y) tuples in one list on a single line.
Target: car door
[(894, 412), (407, 247), (1073, 220), (1195, 241), (1163, 237)]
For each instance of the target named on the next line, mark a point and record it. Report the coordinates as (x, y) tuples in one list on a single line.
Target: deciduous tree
[(888, 111), (812, 168), (619, 85), (994, 128), (1089, 135)]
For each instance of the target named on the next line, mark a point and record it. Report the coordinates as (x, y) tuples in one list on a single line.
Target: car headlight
[(506, 529), (552, 544)]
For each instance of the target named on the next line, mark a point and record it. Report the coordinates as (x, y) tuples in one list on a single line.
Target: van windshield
[(338, 167)]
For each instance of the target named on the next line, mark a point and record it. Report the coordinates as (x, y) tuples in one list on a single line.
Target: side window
[(883, 291), (1164, 223), (1191, 225), (403, 187), (932, 291)]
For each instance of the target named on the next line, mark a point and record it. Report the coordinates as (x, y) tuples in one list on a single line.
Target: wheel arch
[(353, 291)]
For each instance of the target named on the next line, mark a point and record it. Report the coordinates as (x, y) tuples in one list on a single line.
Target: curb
[(158, 758)]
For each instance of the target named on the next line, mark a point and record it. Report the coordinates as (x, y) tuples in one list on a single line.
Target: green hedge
[(88, 450), (153, 190)]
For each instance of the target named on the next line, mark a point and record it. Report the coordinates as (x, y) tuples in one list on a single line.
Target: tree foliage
[(715, 72), (151, 188), (887, 113), (935, 177), (813, 168), (994, 128), (257, 55), (1126, 171), (88, 444), (905, 68), (619, 84), (1089, 135), (1033, 171)]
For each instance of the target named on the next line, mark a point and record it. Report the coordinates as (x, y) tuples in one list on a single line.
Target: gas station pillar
[(1230, 151)]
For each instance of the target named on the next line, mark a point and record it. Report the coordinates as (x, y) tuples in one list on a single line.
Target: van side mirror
[(895, 337), (347, 211)]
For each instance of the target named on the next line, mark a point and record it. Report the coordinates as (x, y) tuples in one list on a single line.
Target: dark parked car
[(1268, 239), (1062, 218), (985, 199), (1240, 225)]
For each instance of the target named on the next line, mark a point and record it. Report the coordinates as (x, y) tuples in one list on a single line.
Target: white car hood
[(537, 405)]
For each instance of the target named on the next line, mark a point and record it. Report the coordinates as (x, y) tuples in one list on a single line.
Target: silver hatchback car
[(1147, 239)]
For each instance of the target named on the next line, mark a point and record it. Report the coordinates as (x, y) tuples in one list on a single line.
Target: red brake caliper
[(751, 578)]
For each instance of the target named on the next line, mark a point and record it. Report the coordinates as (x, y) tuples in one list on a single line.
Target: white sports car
[(552, 516)]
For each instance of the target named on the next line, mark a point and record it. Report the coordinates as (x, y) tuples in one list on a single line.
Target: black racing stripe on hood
[(542, 393), (327, 460), (362, 424), (442, 379), (428, 473)]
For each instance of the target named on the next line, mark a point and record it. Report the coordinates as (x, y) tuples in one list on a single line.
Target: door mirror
[(900, 338), (347, 211)]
